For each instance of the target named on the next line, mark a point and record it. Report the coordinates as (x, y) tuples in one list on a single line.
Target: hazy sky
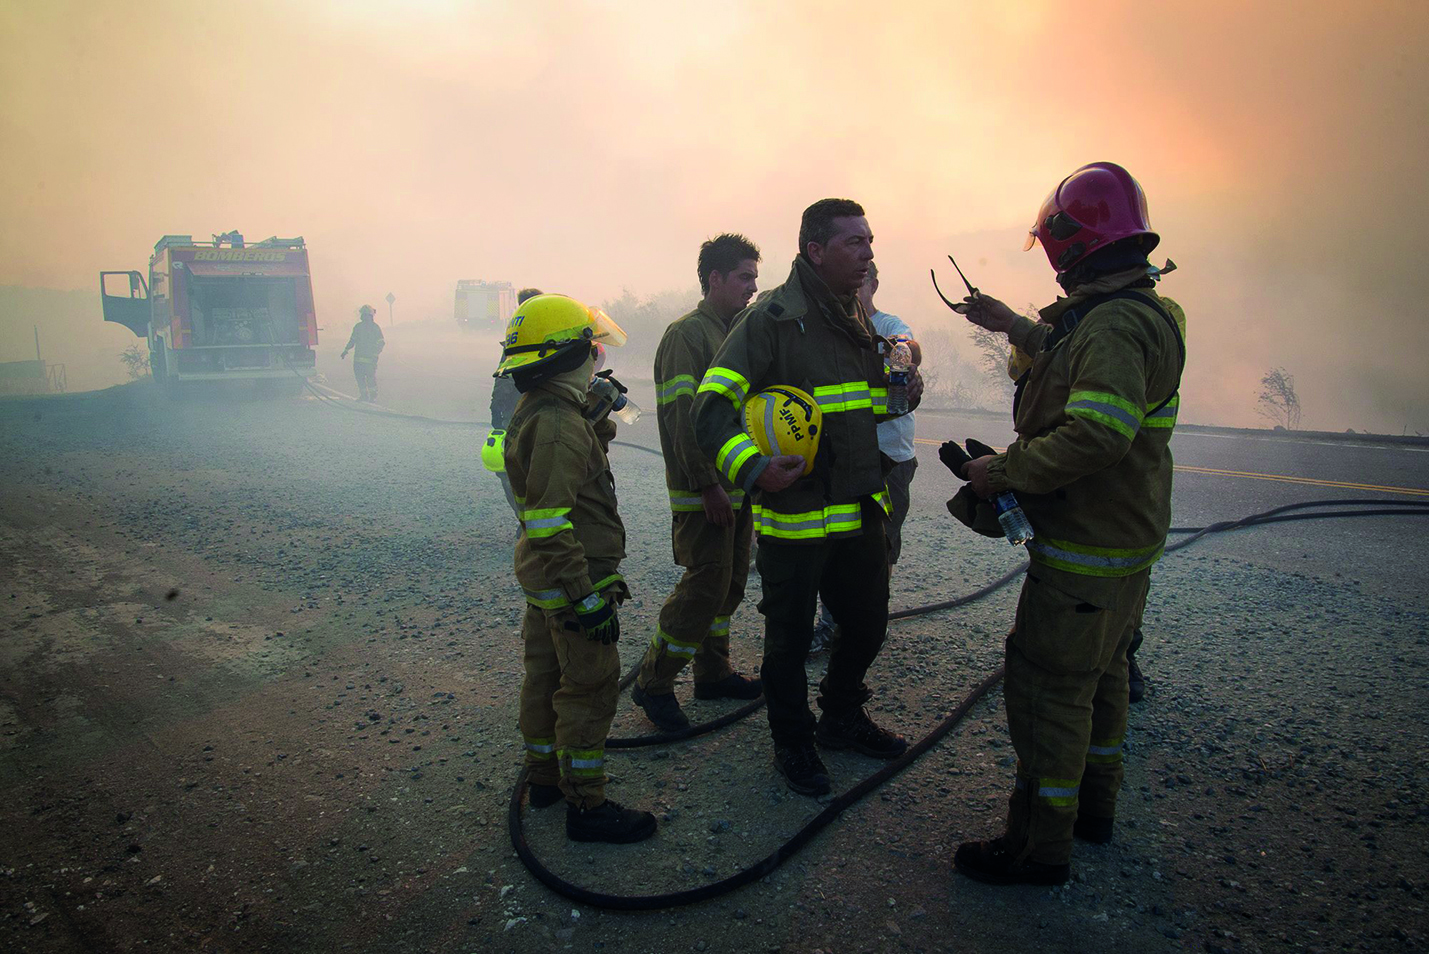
[(592, 146)]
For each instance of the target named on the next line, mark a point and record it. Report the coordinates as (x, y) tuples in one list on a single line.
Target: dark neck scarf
[(843, 313)]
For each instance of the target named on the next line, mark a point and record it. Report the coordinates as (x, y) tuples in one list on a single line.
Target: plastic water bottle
[(611, 396), (626, 409), (1015, 524), (900, 363)]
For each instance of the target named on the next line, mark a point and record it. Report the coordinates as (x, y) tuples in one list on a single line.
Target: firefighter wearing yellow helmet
[(568, 563)]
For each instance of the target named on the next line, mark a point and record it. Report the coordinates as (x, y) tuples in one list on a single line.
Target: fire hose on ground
[(836, 807), (1304, 510)]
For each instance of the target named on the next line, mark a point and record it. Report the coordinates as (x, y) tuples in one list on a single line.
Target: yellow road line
[(1283, 478), (1316, 482)]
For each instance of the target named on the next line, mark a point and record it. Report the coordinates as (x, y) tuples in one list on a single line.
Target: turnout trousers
[(899, 482), (694, 622), (850, 572), (1066, 698), (568, 701), (365, 370)]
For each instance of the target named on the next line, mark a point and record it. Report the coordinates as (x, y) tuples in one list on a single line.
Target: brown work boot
[(609, 822), (855, 730), (992, 863), (802, 768), (662, 709), (733, 686)]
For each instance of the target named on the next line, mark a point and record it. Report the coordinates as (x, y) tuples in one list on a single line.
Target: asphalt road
[(257, 692)]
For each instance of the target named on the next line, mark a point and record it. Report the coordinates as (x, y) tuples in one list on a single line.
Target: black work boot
[(733, 686), (1093, 828), (802, 768), (543, 796), (608, 822), (991, 862), (1135, 682), (663, 710), (855, 730)]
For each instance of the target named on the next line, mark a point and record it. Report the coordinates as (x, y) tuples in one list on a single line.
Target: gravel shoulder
[(258, 692)]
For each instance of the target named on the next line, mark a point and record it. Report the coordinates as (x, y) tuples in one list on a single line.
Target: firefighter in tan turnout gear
[(1091, 468), (366, 344), (567, 561), (822, 532), (712, 532)]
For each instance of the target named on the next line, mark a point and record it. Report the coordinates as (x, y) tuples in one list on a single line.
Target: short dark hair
[(526, 294), (722, 254), (817, 226)]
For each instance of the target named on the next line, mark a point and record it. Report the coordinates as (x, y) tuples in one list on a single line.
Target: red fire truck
[(220, 310)]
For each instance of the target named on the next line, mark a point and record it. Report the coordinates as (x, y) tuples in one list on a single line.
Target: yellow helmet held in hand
[(551, 334), (784, 420)]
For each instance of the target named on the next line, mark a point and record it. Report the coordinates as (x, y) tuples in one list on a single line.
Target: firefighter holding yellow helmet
[(568, 558), (820, 517)]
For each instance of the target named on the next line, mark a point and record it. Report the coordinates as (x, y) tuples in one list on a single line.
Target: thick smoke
[(591, 149)]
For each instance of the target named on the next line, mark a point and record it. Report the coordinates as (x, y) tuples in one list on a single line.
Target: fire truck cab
[(220, 310)]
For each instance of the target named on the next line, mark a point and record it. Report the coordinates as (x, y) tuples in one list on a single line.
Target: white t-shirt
[(895, 437)]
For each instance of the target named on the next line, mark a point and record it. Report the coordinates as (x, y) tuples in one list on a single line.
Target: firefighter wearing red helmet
[(1091, 468)]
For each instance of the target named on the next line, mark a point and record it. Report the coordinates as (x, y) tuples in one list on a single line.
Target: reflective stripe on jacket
[(572, 540), (684, 355), (1090, 467), (793, 335)]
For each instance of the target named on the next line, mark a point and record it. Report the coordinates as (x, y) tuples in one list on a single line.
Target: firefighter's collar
[(787, 302), (707, 310), (1107, 283)]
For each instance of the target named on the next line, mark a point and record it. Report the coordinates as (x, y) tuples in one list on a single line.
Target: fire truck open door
[(131, 310)]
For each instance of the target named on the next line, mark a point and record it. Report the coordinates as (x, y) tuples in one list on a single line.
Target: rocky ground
[(258, 692)]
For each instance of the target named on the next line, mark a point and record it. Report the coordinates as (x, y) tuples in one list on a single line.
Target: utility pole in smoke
[(390, 299)]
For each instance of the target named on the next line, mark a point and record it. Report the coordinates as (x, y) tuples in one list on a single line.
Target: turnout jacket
[(1092, 462), (366, 342), (800, 334), (686, 350), (572, 540)]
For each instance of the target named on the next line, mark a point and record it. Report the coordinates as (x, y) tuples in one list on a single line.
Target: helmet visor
[(1047, 208), (607, 332)]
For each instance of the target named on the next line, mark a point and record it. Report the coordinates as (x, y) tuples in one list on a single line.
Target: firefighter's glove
[(609, 375), (954, 458), (978, 449), (598, 619)]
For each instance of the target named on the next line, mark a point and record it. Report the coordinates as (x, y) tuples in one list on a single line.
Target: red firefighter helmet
[(1098, 204)]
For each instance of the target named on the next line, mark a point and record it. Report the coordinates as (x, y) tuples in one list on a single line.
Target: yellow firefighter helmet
[(493, 451), (784, 420), (546, 335)]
